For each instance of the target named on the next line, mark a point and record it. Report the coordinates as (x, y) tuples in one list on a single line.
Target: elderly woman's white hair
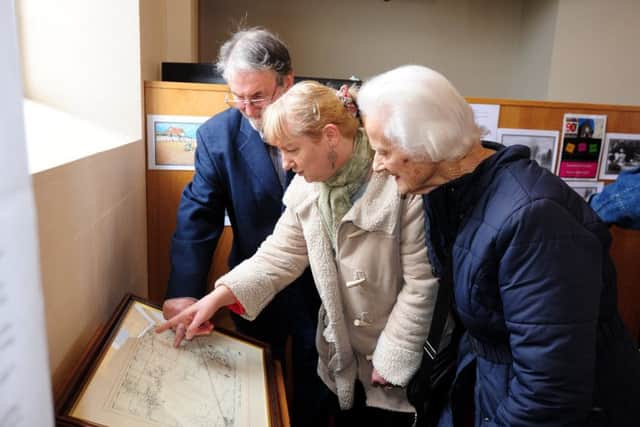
[(421, 112)]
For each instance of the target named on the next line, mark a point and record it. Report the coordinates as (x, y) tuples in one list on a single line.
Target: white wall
[(83, 57), (596, 54), (472, 42)]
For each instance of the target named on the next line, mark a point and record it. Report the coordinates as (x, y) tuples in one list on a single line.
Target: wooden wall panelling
[(625, 250), (164, 187)]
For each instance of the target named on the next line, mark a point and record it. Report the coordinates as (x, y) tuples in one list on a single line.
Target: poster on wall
[(171, 141), (543, 144), (582, 138), (621, 152)]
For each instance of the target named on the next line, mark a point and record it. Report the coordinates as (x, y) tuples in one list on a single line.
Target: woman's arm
[(281, 259), (398, 352)]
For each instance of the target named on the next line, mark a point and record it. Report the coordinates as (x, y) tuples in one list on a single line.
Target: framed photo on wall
[(621, 152), (543, 144), (586, 188), (135, 377), (171, 141)]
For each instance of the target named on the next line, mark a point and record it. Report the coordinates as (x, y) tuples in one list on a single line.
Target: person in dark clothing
[(533, 282), (236, 171)]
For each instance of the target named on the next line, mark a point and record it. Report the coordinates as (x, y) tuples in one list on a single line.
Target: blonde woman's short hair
[(304, 110)]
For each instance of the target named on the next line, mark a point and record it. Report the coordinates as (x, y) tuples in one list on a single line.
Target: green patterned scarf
[(336, 193)]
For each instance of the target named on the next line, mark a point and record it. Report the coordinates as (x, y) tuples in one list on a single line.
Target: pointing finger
[(180, 334)]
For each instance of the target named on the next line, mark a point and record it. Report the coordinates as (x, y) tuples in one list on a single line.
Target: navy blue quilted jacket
[(535, 287)]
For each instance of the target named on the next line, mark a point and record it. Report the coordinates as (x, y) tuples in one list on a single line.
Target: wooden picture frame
[(543, 144), (132, 376)]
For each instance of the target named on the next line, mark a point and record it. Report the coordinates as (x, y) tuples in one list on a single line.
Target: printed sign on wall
[(582, 137)]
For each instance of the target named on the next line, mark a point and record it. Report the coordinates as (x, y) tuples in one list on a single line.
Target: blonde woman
[(366, 248)]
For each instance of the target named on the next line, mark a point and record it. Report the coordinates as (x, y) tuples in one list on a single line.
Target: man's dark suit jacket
[(233, 171)]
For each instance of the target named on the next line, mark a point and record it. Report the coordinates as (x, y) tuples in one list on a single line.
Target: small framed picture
[(581, 145), (171, 141), (133, 376), (585, 188), (543, 144), (621, 152)]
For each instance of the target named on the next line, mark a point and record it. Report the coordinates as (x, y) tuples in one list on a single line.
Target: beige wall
[(153, 35), (596, 55), (532, 59), (556, 50), (168, 33), (182, 28), (92, 232), (472, 42)]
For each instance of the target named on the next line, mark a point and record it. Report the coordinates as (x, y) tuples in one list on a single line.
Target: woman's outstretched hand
[(197, 315)]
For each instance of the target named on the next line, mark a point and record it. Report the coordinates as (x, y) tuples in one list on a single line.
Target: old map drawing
[(213, 381)]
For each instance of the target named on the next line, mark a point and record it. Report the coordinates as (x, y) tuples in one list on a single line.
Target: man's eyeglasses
[(235, 102)]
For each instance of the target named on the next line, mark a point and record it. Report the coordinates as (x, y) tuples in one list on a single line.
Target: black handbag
[(428, 390)]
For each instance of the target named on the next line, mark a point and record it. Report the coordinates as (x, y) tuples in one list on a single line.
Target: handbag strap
[(420, 388), (441, 309)]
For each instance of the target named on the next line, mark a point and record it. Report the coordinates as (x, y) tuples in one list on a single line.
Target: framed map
[(135, 377)]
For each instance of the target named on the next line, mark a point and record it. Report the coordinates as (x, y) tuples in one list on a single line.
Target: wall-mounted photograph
[(171, 141), (621, 152), (543, 144), (586, 188)]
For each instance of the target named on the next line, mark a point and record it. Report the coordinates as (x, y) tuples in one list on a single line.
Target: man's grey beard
[(256, 123)]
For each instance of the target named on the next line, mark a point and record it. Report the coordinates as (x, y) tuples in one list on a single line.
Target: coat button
[(361, 322)]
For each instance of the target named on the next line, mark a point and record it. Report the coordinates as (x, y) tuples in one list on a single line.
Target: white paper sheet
[(25, 389), (487, 116)]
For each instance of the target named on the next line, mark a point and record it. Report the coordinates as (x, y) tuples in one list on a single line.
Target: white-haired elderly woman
[(533, 281), (366, 248)]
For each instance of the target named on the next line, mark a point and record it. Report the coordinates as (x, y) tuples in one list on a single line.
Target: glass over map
[(142, 380)]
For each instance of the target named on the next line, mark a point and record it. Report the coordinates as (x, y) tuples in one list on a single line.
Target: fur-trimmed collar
[(370, 212)]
